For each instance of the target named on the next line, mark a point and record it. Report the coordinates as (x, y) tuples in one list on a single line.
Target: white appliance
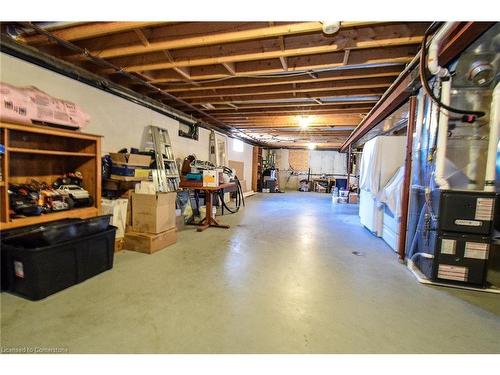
[(380, 159), (391, 198)]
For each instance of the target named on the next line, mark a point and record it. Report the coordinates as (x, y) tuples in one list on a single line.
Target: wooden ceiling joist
[(224, 37), (89, 30), (351, 93), (253, 77), (321, 111), (287, 88), (304, 105), (326, 76), (315, 50)]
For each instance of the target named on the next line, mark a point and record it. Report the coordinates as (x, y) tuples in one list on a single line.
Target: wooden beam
[(267, 113), (183, 72), (350, 122), (88, 30), (283, 60), (142, 37), (352, 44), (358, 60), (308, 106), (284, 63), (221, 38), (214, 39), (230, 68), (350, 93), (311, 86), (346, 57)]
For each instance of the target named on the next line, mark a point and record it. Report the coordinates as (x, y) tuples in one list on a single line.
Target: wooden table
[(330, 181), (208, 220)]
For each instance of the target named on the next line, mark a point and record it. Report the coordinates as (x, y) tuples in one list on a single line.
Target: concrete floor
[(283, 279)]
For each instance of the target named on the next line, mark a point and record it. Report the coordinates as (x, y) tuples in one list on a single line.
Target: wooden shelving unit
[(257, 168), (44, 154)]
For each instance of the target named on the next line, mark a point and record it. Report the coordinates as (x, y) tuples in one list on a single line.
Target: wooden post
[(349, 155), (407, 177)]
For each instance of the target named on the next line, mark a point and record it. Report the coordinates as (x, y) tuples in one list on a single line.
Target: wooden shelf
[(50, 152), (83, 213), (45, 154)]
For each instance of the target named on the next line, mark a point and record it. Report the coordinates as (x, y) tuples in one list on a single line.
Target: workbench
[(208, 220)]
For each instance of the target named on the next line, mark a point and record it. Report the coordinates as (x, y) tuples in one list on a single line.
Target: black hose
[(239, 200), (425, 84)]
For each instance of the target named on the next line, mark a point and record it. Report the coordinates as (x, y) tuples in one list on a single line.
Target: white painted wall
[(245, 157), (320, 161), (120, 121)]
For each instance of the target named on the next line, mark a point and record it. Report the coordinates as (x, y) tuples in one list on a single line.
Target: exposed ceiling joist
[(286, 88), (221, 38), (328, 76), (315, 50), (90, 30)]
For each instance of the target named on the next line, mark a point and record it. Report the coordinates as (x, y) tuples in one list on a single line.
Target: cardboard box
[(128, 178), (149, 243), (133, 160), (211, 178), (118, 208), (118, 185), (128, 171), (353, 198), (119, 242), (153, 213), (145, 187), (180, 222), (239, 168)]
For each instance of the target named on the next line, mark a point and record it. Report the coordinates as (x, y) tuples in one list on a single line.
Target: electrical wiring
[(275, 75), (425, 84)]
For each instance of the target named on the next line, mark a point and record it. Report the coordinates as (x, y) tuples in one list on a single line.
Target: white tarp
[(381, 157), (391, 194)]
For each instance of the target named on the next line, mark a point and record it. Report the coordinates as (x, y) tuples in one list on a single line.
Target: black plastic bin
[(38, 269)]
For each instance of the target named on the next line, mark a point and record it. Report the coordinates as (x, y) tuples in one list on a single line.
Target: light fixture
[(311, 146), (330, 27), (304, 121)]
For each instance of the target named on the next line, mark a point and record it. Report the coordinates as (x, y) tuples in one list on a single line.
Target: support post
[(407, 177), (349, 156)]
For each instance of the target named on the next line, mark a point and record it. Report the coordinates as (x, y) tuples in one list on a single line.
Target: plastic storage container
[(35, 270)]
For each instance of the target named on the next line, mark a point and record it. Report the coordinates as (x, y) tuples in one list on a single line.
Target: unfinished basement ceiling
[(283, 84)]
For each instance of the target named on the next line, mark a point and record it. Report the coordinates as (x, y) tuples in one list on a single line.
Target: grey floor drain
[(357, 253)]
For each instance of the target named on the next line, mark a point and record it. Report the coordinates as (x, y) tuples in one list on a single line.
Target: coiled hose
[(240, 199)]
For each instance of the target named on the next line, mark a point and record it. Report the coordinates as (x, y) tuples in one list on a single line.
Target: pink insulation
[(29, 105)]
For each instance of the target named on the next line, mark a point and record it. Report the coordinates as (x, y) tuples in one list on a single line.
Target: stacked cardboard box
[(130, 167), (153, 222)]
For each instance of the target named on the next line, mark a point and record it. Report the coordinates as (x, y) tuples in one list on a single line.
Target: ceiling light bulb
[(330, 27), (311, 146), (304, 121)]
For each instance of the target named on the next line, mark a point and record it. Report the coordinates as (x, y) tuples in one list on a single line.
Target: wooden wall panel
[(299, 160)]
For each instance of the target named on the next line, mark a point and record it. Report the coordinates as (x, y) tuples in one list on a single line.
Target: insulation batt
[(27, 105)]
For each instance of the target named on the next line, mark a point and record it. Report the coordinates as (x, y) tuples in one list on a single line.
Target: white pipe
[(433, 51), (442, 138), (489, 178)]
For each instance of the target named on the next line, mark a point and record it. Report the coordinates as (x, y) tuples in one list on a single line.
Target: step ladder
[(166, 175)]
